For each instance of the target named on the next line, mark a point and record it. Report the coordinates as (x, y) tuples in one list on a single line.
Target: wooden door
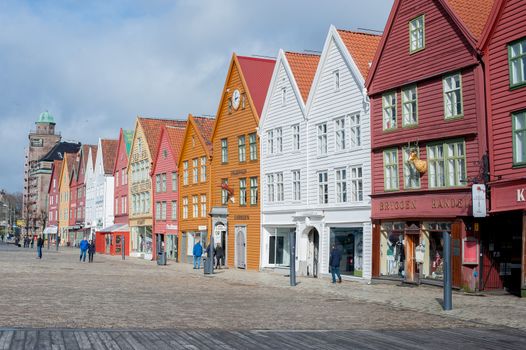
[(241, 234), (376, 250), (411, 241)]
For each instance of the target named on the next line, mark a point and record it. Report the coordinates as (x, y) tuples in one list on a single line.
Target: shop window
[(349, 240), (392, 249), (279, 254), (433, 244)]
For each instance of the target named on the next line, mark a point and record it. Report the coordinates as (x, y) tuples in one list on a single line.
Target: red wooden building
[(504, 49), (165, 191), (428, 137), (54, 196)]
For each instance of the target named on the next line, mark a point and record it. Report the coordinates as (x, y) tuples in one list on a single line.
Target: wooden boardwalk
[(456, 338)]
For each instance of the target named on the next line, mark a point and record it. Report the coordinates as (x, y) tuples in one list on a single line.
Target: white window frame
[(322, 139), (340, 176), (410, 106), (296, 185), (453, 108), (323, 187), (296, 137), (340, 134), (389, 118)]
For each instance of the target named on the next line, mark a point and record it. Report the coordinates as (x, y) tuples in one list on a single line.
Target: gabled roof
[(175, 136), (493, 20), (56, 167), (93, 156), (257, 73), (204, 127), (303, 67), (128, 138), (152, 130), (109, 150), (473, 13), (58, 151), (362, 47), (69, 159)]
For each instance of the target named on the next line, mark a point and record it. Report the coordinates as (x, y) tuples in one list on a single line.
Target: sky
[(96, 65)]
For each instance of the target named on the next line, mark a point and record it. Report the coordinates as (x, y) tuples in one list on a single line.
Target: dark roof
[(57, 152)]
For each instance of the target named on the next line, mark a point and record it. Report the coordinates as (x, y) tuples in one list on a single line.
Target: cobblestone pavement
[(61, 292)]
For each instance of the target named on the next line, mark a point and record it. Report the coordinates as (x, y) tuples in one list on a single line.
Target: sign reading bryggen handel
[(478, 193)]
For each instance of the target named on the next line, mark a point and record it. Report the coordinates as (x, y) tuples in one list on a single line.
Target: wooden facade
[(54, 193), (120, 174), (165, 191), (197, 146), (504, 249), (64, 190), (233, 165), (412, 109)]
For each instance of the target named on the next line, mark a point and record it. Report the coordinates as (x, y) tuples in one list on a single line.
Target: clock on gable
[(236, 98)]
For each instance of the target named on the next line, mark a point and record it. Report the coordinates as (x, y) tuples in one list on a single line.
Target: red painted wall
[(120, 188), (53, 209)]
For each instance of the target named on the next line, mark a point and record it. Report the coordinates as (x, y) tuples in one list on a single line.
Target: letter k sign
[(520, 195)]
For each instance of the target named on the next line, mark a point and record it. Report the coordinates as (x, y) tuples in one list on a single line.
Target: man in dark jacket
[(40, 244), (219, 256), (334, 263), (83, 249), (91, 250)]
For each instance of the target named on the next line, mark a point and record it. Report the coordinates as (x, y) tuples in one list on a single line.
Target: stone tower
[(37, 174)]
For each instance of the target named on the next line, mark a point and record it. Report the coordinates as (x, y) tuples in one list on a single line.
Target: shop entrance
[(108, 238), (501, 250), (312, 253), (411, 267)]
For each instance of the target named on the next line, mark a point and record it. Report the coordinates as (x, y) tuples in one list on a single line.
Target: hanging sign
[(478, 192)]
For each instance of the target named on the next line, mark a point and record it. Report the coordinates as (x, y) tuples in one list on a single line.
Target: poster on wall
[(470, 251)]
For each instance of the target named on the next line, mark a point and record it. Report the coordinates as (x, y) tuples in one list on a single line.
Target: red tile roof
[(303, 68), (473, 13), (70, 161), (109, 151), (257, 73), (205, 126), (176, 139), (152, 131), (362, 47)]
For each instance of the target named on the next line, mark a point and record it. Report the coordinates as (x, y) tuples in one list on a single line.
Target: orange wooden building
[(235, 180), (194, 185)]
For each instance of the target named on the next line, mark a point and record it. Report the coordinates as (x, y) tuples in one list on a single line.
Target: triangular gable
[(258, 71), (334, 36), (66, 165), (151, 128), (203, 131), (175, 138), (300, 69), (109, 148), (56, 167), (121, 142)]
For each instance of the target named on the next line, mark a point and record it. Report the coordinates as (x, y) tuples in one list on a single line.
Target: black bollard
[(292, 245), (123, 247), (448, 293)]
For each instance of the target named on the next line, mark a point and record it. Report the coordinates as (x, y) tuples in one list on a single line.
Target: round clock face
[(236, 98)]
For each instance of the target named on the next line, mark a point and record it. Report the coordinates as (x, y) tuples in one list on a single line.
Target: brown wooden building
[(194, 185), (235, 162)]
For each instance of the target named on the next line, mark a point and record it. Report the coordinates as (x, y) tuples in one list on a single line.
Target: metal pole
[(123, 247), (56, 239), (292, 245), (448, 294)]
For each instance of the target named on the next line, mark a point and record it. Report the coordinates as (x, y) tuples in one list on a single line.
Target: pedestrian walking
[(334, 263), (219, 254), (83, 249), (197, 252), (40, 244), (91, 251), (32, 241)]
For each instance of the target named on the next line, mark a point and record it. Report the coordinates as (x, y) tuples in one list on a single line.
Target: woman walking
[(91, 250)]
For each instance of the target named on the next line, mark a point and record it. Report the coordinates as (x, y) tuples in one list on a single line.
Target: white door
[(241, 235)]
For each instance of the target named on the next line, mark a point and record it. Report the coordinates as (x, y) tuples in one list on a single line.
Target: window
[(185, 173), (280, 191), (158, 183), (452, 96), (411, 175), (157, 210), (356, 184), (242, 191), (124, 179), (116, 178), (224, 192), (279, 140), (447, 164), (163, 210), (409, 106), (203, 169), (341, 185), (391, 169), (416, 34), (253, 146), (323, 187), (195, 206), (296, 185), (124, 201), (356, 133), (253, 190), (163, 182), (270, 142), (174, 210), (139, 145), (174, 181), (296, 137), (322, 139), (241, 148), (195, 171), (336, 76), (519, 137), (224, 151), (203, 205), (283, 96), (389, 110), (270, 188), (278, 253), (185, 207), (340, 134), (517, 62)]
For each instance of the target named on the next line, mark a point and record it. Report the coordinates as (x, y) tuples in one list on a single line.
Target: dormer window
[(416, 34), (336, 76)]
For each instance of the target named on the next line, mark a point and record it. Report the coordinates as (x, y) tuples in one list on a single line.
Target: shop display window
[(433, 242), (349, 241), (279, 243), (393, 253)]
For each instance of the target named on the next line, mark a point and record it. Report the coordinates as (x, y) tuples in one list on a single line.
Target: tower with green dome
[(45, 125)]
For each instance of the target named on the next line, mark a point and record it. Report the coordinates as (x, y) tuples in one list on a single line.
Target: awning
[(51, 230), (115, 228)]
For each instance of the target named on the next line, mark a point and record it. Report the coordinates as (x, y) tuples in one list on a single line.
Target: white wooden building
[(315, 158), (89, 180), (104, 186)]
